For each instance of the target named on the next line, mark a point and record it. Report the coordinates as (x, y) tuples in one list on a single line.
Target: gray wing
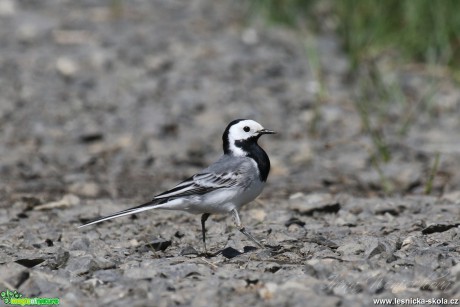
[(225, 173)]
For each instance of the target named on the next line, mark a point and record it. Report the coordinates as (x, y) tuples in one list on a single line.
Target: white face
[(243, 130)]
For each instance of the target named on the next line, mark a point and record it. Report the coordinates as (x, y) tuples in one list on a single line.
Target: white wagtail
[(234, 180)]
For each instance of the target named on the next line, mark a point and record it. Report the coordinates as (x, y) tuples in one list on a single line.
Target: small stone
[(188, 250), (316, 202), (66, 67), (250, 36), (82, 265), (408, 242), (7, 7), (453, 197), (351, 248), (258, 214), (268, 291), (87, 189), (66, 201), (134, 242), (27, 33), (80, 244)]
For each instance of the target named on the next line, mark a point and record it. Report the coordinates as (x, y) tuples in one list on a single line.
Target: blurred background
[(122, 99)]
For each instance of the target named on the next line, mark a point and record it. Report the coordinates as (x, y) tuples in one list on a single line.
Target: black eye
[(246, 129)]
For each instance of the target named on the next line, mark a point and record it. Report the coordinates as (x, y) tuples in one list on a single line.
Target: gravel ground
[(104, 104)]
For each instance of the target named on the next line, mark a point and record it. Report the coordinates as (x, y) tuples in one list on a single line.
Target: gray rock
[(80, 244), (309, 204), (79, 265)]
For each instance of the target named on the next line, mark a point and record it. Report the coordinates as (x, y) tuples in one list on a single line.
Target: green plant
[(287, 12), (433, 171), (422, 30), (320, 88)]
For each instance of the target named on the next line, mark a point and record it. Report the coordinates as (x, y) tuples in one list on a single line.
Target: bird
[(234, 180)]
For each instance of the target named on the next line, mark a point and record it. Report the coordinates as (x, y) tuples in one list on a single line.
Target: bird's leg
[(239, 225), (204, 217)]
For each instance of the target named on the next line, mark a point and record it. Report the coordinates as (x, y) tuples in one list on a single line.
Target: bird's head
[(242, 131)]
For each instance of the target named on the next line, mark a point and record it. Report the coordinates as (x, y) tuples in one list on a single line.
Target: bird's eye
[(246, 129)]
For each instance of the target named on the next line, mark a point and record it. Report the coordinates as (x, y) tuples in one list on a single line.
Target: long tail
[(144, 207)]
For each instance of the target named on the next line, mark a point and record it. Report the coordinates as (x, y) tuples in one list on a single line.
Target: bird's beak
[(266, 131)]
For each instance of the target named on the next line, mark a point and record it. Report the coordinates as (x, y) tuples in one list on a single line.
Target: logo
[(16, 298)]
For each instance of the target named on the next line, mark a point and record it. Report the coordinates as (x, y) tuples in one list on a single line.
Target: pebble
[(85, 189), (66, 67), (7, 7), (66, 201)]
